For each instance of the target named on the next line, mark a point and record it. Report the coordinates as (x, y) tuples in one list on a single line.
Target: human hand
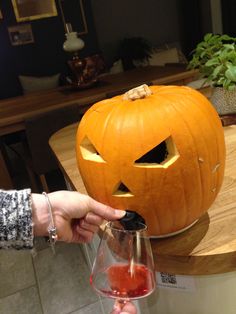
[(76, 216), (127, 308)]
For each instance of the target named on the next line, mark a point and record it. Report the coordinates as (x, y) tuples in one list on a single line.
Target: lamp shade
[(73, 43)]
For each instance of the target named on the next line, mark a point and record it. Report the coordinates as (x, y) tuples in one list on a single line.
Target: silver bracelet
[(52, 230)]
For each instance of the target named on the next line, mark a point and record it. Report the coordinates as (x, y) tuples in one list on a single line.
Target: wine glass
[(123, 268)]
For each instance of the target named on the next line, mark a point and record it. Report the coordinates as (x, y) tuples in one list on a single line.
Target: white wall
[(155, 20)]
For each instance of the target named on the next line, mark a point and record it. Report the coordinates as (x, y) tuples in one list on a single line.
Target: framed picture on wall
[(21, 34), (72, 12), (27, 10)]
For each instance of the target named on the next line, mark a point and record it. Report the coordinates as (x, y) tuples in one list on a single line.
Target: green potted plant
[(215, 57)]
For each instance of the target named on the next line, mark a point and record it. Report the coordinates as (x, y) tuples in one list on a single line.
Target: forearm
[(16, 226), (22, 216)]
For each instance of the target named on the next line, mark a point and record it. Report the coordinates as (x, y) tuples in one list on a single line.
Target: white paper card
[(177, 282)]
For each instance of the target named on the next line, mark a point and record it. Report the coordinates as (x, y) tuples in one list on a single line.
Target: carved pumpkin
[(162, 155)]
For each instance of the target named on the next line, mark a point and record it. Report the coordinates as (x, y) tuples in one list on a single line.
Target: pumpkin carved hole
[(122, 190), (162, 155), (89, 152)]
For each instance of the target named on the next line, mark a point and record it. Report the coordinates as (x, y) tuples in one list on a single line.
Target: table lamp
[(72, 45), (85, 70)]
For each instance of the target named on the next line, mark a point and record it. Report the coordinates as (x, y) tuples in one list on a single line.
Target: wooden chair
[(38, 157)]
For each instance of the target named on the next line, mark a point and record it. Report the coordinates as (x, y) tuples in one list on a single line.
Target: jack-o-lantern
[(159, 151)]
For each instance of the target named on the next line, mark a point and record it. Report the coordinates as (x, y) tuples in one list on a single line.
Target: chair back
[(38, 131)]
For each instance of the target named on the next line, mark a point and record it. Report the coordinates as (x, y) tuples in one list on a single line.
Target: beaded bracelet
[(52, 230)]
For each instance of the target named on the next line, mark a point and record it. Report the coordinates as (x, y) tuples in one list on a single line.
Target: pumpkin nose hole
[(162, 155), (122, 190)]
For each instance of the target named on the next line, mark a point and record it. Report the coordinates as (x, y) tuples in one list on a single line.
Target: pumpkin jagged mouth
[(122, 190)]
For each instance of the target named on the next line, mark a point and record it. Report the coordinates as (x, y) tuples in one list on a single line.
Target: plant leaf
[(215, 57), (230, 73), (211, 62)]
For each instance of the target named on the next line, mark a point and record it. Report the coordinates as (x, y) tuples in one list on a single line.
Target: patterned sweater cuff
[(16, 226)]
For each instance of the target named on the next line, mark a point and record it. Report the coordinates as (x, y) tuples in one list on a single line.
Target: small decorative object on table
[(85, 71), (215, 57)]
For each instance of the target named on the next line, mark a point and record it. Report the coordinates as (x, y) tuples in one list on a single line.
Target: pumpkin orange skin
[(172, 195)]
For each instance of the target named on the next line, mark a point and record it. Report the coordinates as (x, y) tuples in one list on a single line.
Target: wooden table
[(209, 247), (14, 111)]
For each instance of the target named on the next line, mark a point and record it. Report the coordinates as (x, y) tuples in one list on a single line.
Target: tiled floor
[(46, 284)]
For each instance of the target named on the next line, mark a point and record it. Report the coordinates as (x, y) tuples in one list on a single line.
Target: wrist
[(39, 215)]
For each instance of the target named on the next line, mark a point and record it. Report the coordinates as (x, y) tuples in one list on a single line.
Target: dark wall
[(195, 22), (43, 57), (228, 17), (159, 21), (155, 20)]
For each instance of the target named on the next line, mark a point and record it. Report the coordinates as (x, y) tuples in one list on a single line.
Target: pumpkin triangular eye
[(156, 155), (162, 155), (122, 190), (89, 151)]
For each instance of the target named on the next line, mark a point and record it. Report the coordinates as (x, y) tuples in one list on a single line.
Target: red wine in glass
[(123, 268), (129, 281)]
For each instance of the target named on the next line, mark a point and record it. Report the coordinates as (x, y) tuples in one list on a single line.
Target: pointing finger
[(105, 211)]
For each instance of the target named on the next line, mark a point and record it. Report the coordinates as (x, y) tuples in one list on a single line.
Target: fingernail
[(120, 213)]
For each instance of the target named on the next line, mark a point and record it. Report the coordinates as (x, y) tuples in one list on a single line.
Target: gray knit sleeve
[(16, 226)]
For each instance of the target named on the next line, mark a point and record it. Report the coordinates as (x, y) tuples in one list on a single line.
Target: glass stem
[(119, 304)]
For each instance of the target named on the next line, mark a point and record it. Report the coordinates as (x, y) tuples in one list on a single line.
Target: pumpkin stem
[(139, 92)]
